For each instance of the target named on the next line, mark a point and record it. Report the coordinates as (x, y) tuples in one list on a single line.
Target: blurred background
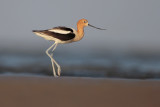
[(129, 48)]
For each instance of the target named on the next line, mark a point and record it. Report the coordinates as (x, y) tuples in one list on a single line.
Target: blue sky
[(131, 24)]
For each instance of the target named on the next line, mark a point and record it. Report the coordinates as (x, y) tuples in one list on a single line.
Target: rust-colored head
[(82, 22)]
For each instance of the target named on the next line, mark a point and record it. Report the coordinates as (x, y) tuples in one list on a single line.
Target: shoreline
[(40, 91)]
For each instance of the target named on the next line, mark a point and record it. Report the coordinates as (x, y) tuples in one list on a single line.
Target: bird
[(63, 35)]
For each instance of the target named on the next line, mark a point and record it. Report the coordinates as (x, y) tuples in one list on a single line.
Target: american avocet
[(63, 35)]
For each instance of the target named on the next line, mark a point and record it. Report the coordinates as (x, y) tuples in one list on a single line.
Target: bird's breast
[(78, 35)]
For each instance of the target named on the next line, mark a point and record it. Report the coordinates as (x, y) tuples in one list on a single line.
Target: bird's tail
[(35, 30)]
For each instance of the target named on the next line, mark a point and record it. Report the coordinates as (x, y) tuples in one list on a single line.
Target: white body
[(61, 32)]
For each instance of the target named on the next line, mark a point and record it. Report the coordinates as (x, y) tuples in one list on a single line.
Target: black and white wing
[(61, 33)]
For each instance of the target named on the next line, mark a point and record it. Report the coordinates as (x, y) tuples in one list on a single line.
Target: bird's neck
[(80, 31)]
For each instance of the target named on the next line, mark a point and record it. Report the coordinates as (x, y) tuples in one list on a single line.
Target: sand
[(30, 91)]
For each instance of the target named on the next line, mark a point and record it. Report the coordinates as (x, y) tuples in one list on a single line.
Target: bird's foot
[(56, 76), (59, 71)]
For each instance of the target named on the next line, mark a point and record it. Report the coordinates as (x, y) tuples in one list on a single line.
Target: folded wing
[(61, 33)]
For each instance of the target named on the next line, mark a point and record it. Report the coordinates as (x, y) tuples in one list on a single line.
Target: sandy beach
[(30, 91)]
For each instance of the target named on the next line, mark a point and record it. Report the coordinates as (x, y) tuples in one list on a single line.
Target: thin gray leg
[(54, 73), (58, 66)]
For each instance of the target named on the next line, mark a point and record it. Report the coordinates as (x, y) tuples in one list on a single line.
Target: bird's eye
[(85, 21)]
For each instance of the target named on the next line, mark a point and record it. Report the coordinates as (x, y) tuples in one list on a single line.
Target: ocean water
[(106, 66)]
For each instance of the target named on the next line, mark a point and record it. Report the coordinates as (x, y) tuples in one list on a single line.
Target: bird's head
[(84, 23)]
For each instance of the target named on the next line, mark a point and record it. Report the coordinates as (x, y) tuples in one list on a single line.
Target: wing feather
[(63, 37), (62, 33)]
